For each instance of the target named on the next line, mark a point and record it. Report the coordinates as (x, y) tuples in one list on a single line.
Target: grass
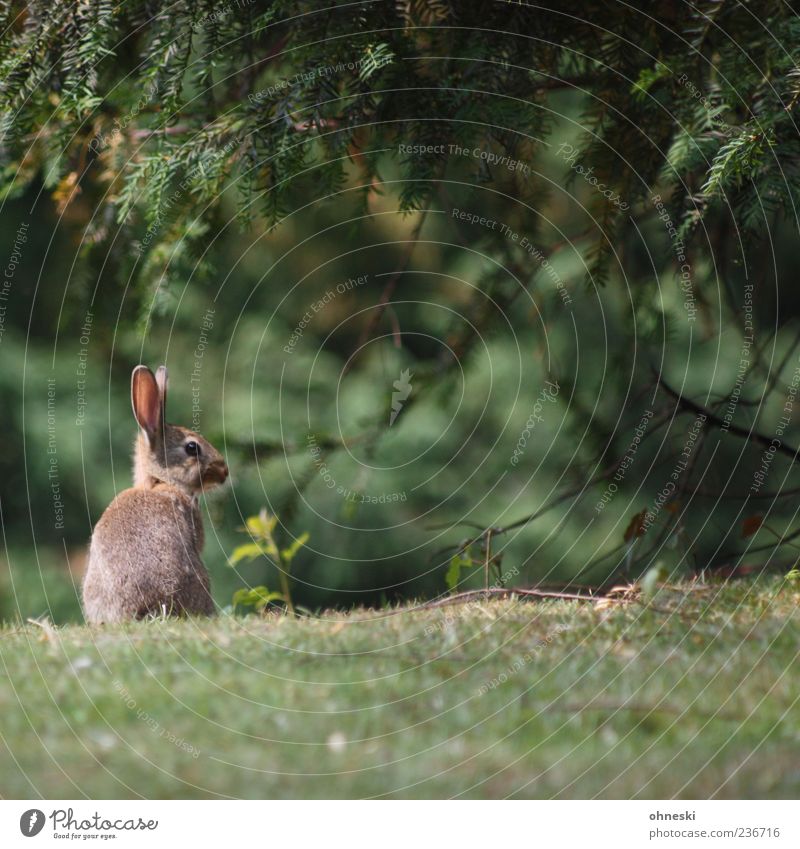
[(693, 695)]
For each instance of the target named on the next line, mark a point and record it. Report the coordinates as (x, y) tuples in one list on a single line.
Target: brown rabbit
[(145, 550)]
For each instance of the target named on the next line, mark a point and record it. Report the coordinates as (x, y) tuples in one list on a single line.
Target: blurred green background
[(481, 325), (446, 459)]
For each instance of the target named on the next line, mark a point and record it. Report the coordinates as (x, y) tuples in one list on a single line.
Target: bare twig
[(772, 374), (685, 403), (758, 548), (704, 492), (608, 472)]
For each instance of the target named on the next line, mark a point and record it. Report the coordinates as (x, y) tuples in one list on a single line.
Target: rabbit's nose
[(216, 473)]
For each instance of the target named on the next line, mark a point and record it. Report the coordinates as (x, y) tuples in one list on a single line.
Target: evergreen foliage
[(150, 110)]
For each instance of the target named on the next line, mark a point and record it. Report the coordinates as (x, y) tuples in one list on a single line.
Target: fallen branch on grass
[(504, 592)]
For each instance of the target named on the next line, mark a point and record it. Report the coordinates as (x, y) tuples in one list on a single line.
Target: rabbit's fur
[(145, 551)]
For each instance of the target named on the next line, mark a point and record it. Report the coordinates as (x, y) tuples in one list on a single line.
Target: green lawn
[(692, 696)]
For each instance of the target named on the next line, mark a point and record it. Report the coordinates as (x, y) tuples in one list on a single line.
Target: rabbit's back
[(145, 557)]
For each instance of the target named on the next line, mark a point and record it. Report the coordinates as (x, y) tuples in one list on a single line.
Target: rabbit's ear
[(146, 401), (161, 381)]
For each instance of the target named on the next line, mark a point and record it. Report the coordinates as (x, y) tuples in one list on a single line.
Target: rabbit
[(144, 556)]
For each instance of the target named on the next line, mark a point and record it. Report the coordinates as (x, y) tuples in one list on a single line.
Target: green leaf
[(289, 552), (255, 597), (262, 525), (653, 577), (457, 563), (249, 551), (453, 573)]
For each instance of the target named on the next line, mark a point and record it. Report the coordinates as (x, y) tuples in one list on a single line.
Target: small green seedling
[(262, 533), (464, 559)]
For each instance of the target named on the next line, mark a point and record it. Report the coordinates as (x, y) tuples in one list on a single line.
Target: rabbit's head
[(167, 453)]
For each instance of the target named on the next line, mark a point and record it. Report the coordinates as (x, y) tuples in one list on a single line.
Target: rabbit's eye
[(192, 449)]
